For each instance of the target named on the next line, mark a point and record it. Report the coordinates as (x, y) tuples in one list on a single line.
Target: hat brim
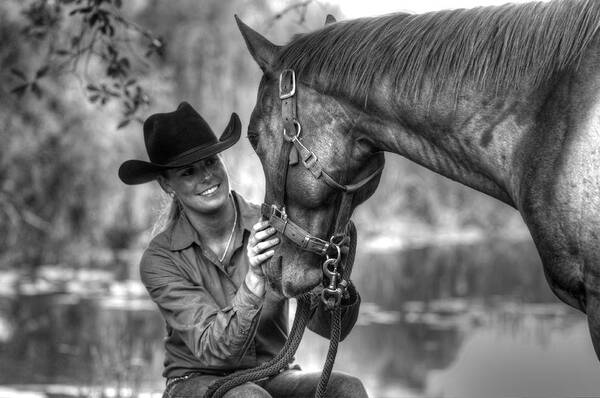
[(134, 172)]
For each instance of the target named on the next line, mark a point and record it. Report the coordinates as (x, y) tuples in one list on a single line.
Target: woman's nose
[(205, 173)]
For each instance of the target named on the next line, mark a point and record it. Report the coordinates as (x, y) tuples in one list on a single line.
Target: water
[(453, 321)]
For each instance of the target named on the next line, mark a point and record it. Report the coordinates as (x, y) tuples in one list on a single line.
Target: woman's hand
[(259, 249)]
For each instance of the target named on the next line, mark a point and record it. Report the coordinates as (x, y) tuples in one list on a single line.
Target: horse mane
[(497, 47)]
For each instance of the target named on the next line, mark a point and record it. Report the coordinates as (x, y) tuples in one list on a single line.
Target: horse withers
[(503, 99)]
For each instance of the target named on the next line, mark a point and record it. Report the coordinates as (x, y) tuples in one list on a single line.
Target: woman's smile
[(210, 191)]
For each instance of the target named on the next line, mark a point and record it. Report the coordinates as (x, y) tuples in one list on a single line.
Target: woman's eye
[(185, 172), (210, 161), (253, 138)]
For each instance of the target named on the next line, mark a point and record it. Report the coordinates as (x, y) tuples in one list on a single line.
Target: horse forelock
[(498, 47)]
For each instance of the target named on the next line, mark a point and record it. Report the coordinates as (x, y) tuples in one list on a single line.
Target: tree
[(70, 34)]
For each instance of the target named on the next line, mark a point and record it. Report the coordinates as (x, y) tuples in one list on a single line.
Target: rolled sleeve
[(246, 299), (217, 337)]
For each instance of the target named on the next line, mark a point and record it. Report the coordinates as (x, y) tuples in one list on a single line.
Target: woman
[(204, 272)]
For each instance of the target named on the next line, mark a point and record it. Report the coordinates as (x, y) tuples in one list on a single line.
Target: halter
[(292, 150)]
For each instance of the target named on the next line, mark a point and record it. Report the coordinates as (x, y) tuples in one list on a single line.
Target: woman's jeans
[(288, 384)]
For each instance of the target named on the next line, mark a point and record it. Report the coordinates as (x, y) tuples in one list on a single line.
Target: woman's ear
[(164, 184)]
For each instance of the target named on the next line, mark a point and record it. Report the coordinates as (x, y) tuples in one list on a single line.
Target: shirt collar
[(183, 234)]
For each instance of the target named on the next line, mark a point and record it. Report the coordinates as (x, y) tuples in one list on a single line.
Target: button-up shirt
[(215, 324)]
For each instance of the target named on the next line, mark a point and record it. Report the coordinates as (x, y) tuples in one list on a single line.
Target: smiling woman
[(204, 270)]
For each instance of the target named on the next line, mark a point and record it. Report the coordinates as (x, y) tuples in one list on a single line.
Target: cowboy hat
[(177, 139)]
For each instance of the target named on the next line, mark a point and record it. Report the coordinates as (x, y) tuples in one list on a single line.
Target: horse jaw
[(292, 272), (299, 274)]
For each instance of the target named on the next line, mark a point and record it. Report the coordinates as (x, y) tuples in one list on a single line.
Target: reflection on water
[(466, 321), (59, 339)]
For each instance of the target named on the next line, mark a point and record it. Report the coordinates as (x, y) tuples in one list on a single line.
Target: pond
[(465, 321)]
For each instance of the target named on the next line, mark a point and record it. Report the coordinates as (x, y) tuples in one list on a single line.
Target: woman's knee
[(343, 385), (247, 390)]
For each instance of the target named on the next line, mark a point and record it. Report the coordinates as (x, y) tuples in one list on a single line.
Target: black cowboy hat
[(176, 139)]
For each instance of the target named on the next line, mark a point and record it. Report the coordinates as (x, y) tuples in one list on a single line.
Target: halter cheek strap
[(293, 152)]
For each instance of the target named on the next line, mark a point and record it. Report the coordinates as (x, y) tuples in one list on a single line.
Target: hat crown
[(169, 136)]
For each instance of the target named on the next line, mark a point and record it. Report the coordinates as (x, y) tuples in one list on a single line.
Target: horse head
[(329, 146)]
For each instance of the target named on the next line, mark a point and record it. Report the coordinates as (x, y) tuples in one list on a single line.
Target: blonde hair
[(169, 212)]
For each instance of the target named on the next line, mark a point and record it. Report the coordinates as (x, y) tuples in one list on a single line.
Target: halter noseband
[(293, 149)]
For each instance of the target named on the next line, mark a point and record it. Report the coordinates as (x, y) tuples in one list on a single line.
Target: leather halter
[(292, 149)]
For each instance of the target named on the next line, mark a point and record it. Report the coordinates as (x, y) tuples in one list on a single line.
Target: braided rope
[(336, 321), (220, 386)]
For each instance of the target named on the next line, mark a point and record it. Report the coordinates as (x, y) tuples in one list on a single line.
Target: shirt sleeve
[(320, 321), (217, 337)]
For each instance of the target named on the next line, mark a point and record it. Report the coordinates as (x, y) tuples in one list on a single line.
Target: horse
[(503, 99)]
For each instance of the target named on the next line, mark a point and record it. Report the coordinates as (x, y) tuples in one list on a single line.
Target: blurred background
[(455, 303)]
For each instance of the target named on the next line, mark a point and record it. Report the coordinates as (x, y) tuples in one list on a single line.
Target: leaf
[(123, 123), (20, 90), (91, 87), (42, 71), (93, 19), (82, 10), (118, 3), (18, 73), (62, 52), (94, 98), (35, 88)]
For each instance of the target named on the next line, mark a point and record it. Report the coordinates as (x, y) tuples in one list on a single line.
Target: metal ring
[(298, 130), (338, 254), (330, 273), (340, 237)]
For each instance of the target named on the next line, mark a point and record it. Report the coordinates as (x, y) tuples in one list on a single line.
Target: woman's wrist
[(255, 283)]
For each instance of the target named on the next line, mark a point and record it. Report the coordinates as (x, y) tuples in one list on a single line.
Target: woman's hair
[(168, 213)]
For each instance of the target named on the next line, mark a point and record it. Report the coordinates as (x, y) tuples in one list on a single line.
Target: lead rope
[(272, 367), (336, 319)]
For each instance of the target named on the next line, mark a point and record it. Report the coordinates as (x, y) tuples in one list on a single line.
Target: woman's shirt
[(215, 324)]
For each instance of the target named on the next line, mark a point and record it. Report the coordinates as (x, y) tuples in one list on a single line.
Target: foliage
[(69, 33)]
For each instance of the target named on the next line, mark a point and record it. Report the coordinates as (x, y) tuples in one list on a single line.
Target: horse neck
[(474, 143)]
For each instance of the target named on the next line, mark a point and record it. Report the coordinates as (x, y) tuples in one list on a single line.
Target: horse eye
[(253, 138)]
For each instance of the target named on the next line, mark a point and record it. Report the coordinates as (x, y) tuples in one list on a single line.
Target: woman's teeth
[(209, 191)]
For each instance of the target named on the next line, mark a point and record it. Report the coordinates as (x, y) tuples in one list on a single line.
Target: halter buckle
[(285, 73), (276, 212)]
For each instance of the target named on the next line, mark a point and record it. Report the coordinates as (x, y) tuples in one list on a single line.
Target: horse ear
[(329, 19), (261, 49)]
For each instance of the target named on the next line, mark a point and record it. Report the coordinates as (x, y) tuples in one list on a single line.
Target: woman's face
[(202, 186)]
